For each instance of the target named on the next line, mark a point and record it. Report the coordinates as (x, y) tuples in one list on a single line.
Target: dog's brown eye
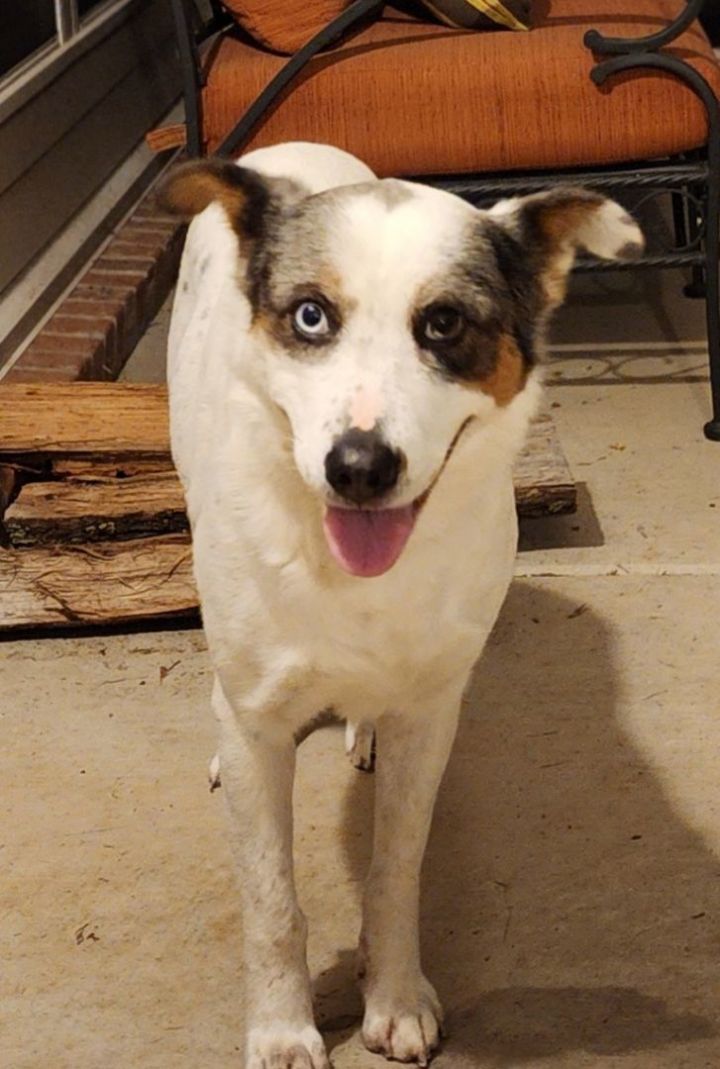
[(443, 323)]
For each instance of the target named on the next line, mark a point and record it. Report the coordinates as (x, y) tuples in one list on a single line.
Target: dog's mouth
[(366, 542)]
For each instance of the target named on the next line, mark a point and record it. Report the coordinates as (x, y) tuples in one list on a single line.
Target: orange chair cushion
[(411, 97)]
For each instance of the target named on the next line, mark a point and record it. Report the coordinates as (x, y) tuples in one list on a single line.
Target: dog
[(353, 365)]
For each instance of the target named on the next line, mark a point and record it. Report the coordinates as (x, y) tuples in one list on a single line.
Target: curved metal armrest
[(624, 45)]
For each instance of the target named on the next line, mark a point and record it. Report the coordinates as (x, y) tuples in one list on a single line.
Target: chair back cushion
[(286, 25)]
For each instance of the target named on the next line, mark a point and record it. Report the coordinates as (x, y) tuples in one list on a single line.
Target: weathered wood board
[(80, 510), (99, 419), (544, 485), (107, 583), (102, 428), (92, 512)]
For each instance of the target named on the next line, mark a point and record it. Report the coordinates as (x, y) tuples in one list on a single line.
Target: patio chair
[(619, 95)]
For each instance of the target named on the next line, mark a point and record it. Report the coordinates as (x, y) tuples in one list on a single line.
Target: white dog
[(352, 371)]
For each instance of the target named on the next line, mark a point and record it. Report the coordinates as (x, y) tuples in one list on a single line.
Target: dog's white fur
[(289, 632)]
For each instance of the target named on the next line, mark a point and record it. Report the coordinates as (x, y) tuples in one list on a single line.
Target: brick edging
[(99, 321)]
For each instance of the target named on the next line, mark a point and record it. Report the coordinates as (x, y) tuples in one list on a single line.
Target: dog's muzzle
[(361, 468)]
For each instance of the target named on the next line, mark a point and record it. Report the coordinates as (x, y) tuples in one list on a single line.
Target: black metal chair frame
[(692, 180)]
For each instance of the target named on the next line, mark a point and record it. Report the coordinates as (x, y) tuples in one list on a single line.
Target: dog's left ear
[(550, 229), (244, 195)]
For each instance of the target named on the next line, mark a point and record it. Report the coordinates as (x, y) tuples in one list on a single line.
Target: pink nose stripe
[(364, 411)]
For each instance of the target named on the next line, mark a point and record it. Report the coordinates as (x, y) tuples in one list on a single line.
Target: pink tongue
[(367, 542)]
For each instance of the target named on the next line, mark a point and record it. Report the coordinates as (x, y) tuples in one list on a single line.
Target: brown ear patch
[(555, 225), (553, 222), (509, 375), (559, 218), (555, 277), (189, 192), (243, 194)]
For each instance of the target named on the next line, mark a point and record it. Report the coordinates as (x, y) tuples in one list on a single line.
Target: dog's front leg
[(402, 1012), (258, 767)]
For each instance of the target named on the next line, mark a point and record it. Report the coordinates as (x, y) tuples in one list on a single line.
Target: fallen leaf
[(166, 671)]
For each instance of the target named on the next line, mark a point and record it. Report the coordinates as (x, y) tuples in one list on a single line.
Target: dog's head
[(394, 318)]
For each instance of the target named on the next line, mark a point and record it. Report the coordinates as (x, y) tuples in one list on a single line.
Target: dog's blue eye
[(310, 319)]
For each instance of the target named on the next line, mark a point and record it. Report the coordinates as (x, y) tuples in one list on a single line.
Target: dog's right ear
[(244, 195), (551, 227)]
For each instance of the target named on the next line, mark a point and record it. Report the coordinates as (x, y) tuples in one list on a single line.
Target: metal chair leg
[(712, 303), (686, 230), (697, 286), (712, 266), (680, 221)]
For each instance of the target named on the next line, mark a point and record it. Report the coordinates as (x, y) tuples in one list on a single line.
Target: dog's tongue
[(367, 542)]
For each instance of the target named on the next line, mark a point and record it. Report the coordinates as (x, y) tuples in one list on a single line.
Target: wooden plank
[(108, 583), (97, 502), (543, 481), (83, 419), (79, 425), (92, 469), (97, 457), (102, 430), (77, 511)]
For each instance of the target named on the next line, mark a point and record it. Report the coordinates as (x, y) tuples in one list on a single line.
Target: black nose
[(361, 466)]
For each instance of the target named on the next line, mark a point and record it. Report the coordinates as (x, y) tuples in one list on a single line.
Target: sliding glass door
[(81, 82), (31, 28), (26, 28)]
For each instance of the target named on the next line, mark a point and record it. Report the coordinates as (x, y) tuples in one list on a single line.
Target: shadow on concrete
[(514, 1026), (566, 907), (580, 528)]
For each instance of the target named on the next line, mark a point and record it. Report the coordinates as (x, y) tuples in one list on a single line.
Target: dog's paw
[(214, 774), (286, 1049), (360, 745), (405, 1027)]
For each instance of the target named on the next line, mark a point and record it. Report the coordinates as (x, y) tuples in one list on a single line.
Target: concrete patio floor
[(571, 903)]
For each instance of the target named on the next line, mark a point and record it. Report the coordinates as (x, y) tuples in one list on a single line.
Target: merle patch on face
[(391, 192), (292, 270), (476, 323), (455, 339), (521, 292), (294, 260)]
